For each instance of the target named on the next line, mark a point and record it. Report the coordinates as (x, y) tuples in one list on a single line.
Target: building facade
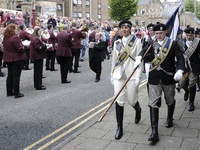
[(91, 9), (149, 11)]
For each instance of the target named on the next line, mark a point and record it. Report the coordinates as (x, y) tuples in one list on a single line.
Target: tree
[(189, 6), (122, 9)]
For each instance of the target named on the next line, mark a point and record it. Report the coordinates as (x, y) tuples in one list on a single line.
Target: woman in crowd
[(18, 19), (38, 53), (13, 55)]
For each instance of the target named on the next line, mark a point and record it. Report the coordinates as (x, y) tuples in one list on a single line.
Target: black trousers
[(51, 55), (76, 55), (96, 67), (64, 67), (38, 69), (13, 78), (26, 61)]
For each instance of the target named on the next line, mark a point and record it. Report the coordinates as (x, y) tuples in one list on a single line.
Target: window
[(143, 23), (80, 15), (99, 6), (75, 14), (99, 17), (59, 8), (79, 2), (136, 22), (75, 2), (38, 10), (87, 3), (88, 15), (143, 11)]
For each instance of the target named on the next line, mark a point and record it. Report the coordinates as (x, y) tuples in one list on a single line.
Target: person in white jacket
[(123, 59)]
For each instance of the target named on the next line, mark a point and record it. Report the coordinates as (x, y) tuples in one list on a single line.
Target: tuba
[(29, 30), (55, 32), (83, 30), (45, 34)]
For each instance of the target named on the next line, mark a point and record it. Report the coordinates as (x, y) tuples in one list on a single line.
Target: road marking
[(143, 82), (70, 130), (63, 127)]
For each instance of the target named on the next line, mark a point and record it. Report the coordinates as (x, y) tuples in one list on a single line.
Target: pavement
[(184, 135)]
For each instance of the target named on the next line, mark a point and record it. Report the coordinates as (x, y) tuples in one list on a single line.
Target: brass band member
[(76, 37), (124, 53), (38, 53), (13, 55), (51, 52), (64, 52), (162, 76), (23, 35)]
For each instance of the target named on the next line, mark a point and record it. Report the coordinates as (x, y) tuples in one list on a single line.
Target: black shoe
[(19, 95), (43, 77), (97, 80), (41, 88), (191, 107), (77, 71), (66, 82), (108, 57), (47, 69), (71, 70), (54, 69), (81, 60), (10, 94)]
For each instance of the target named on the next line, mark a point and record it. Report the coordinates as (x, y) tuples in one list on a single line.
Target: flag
[(173, 28)]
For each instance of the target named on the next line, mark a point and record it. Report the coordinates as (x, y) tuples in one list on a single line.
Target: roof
[(143, 2), (170, 7), (191, 15)]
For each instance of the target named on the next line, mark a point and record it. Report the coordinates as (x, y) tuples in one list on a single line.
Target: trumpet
[(45, 34)]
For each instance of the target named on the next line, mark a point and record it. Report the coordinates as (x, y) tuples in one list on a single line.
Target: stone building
[(148, 11)]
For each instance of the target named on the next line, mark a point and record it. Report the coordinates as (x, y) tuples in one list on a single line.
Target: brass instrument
[(45, 34), (83, 30), (55, 32), (29, 30)]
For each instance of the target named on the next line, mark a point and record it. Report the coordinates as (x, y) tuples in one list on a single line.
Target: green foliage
[(189, 6), (122, 9)]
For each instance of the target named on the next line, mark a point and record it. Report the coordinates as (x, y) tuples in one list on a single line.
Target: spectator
[(12, 18), (18, 19), (52, 21), (26, 17)]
